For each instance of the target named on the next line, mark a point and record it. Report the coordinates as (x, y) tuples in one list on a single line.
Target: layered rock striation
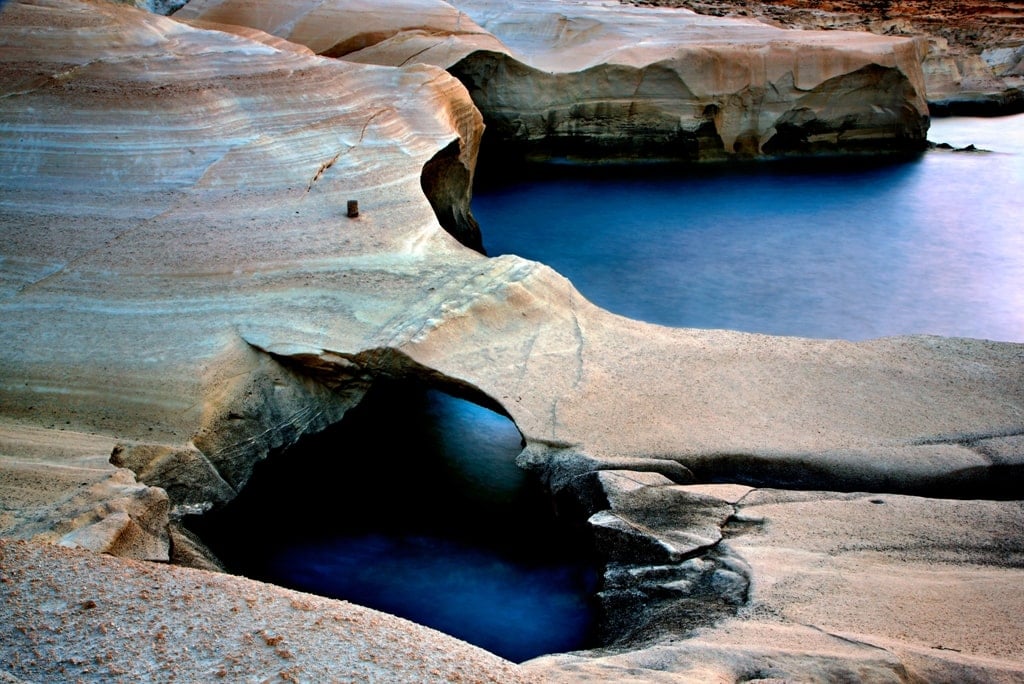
[(599, 82), (183, 293), (137, 164)]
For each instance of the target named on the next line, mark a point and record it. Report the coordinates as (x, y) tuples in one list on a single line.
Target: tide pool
[(413, 505)]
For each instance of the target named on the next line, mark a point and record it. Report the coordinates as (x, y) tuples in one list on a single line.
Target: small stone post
[(353, 208)]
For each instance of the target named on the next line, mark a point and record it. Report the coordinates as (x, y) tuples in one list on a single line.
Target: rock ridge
[(594, 82)]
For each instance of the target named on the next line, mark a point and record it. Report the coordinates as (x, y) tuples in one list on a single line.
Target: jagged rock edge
[(560, 467)]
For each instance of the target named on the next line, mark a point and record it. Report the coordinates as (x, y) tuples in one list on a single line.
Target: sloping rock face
[(136, 164), (600, 82), (396, 33), (182, 290)]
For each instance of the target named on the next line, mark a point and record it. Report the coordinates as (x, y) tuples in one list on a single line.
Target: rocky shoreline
[(184, 293), (592, 82)]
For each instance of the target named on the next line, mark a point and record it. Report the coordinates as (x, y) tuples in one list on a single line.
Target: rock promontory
[(972, 65), (597, 82)]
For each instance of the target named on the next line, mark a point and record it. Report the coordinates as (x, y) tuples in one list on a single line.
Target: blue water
[(515, 608), (413, 505), (933, 245)]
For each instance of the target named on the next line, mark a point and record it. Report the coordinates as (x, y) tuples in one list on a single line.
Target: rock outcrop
[(137, 163), (180, 287), (600, 82), (972, 65), (824, 587)]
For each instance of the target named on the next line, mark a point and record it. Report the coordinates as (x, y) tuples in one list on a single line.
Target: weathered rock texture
[(973, 62), (596, 81), (180, 287), (133, 621), (824, 587)]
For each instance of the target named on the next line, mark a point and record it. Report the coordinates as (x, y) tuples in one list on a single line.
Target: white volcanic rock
[(67, 502), (136, 165), (969, 83), (969, 69), (606, 81), (154, 299), (644, 520), (179, 278), (848, 587), (397, 32)]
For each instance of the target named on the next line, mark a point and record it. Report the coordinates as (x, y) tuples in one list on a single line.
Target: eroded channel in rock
[(413, 504)]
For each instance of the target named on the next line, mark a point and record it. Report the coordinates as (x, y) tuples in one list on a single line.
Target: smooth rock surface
[(598, 81), (972, 64), (394, 33), (137, 163), (179, 277)]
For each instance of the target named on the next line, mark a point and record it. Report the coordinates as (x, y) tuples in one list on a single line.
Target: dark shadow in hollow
[(412, 504)]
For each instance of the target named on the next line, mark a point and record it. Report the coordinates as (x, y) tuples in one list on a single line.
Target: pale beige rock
[(406, 31), (957, 79), (56, 484), (179, 331), (648, 521), (302, 135), (189, 478), (593, 80), (973, 47), (100, 619), (99, 509), (730, 493), (856, 586), (179, 274)]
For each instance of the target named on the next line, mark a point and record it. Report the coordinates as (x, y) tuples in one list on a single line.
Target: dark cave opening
[(413, 505)]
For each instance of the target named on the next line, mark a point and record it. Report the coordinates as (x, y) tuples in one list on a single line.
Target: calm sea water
[(933, 245), (413, 505)]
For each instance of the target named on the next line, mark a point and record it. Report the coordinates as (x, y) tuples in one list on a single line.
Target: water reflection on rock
[(413, 505)]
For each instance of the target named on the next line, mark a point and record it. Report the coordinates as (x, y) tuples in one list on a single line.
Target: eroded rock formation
[(591, 81), (161, 148), (182, 289), (822, 587), (973, 60)]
